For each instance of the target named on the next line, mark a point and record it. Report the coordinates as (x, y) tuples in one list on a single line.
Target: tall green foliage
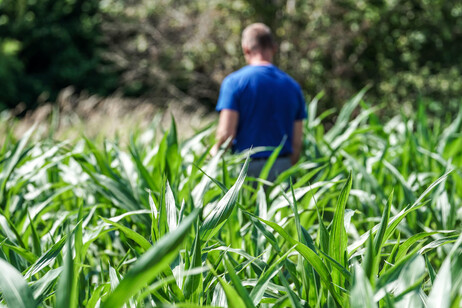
[(370, 217)]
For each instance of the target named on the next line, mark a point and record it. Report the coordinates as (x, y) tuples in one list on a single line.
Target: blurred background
[(94, 56)]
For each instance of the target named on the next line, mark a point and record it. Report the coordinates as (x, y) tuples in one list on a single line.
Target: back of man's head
[(257, 36)]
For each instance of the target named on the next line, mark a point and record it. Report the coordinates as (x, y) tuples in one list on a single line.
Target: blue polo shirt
[(269, 101)]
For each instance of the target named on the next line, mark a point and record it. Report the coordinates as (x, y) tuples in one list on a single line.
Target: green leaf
[(144, 173), (173, 154), (258, 264), (193, 283), (18, 153), (369, 261), (211, 170), (238, 284), (392, 257), (342, 270), (95, 298), (294, 300), (271, 159), (138, 238), (361, 295), (309, 255), (46, 258), (338, 237), (393, 273), (222, 186), (26, 254), (259, 290), (302, 265), (409, 282), (11, 231), (233, 298), (168, 281), (37, 247), (224, 208), (372, 259), (404, 247), (269, 236), (150, 264), (42, 287), (431, 270), (117, 192), (170, 207), (64, 287), (14, 287), (163, 221), (395, 220), (344, 116), (449, 132), (380, 237), (160, 161)]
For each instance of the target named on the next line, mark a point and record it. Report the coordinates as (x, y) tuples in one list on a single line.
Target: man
[(260, 105)]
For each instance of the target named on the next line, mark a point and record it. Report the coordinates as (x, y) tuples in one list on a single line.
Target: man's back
[(268, 102), (259, 105)]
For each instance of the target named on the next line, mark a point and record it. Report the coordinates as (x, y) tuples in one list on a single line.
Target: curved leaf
[(150, 264), (14, 287)]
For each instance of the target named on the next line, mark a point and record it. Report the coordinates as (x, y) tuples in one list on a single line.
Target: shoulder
[(241, 73), (288, 78), (237, 78)]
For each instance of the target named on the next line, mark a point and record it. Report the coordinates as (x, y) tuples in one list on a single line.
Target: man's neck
[(264, 57), (260, 62)]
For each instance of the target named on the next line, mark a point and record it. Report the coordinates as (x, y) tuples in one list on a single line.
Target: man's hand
[(297, 139), (227, 127)]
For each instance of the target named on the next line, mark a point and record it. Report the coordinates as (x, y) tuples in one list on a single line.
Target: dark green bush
[(403, 49), (171, 49), (58, 44), (11, 70)]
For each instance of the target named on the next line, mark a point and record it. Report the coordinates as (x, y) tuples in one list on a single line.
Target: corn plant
[(370, 217)]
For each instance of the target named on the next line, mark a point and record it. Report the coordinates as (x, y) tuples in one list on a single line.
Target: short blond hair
[(257, 36)]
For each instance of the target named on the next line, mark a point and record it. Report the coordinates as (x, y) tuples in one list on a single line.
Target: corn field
[(369, 217)]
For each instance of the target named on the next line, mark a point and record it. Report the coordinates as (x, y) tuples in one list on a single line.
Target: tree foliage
[(48, 45), (403, 49), (182, 50)]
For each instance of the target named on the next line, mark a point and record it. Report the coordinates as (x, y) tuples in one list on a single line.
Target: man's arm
[(297, 139), (227, 127)]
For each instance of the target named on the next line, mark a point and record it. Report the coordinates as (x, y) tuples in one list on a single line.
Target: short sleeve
[(301, 111), (228, 98)]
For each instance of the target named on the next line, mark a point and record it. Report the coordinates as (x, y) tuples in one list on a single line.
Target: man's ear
[(246, 50)]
